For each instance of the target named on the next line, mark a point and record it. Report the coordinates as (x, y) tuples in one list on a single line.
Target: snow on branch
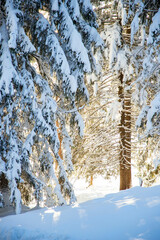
[(153, 111), (73, 39), (24, 42), (87, 12), (46, 39), (7, 70), (154, 30), (13, 171), (54, 5), (12, 22), (134, 26)]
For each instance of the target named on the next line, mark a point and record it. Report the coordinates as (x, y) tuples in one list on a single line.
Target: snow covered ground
[(99, 189), (127, 215)]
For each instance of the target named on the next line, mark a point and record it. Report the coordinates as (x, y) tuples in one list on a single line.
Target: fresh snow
[(54, 4), (154, 28), (132, 214), (134, 26), (80, 123), (153, 110)]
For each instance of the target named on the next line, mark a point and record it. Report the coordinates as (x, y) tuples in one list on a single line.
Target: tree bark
[(91, 180), (125, 135)]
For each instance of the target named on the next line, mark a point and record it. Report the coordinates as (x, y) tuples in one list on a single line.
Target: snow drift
[(128, 215)]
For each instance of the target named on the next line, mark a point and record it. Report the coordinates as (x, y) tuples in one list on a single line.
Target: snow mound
[(127, 215)]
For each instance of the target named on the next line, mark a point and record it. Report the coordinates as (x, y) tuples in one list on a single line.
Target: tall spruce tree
[(145, 39), (119, 73), (108, 139), (46, 48), (129, 86), (135, 56)]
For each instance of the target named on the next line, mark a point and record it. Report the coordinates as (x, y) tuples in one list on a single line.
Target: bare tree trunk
[(127, 107), (91, 180), (125, 136)]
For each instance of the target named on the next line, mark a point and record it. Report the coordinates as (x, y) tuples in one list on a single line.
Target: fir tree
[(129, 87), (45, 51), (145, 39)]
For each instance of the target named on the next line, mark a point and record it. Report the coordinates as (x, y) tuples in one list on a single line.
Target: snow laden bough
[(45, 51), (144, 20), (145, 26)]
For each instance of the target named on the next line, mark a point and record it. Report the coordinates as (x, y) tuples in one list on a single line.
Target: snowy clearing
[(127, 215)]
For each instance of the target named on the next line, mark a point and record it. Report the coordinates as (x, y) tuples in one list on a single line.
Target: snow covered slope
[(127, 215)]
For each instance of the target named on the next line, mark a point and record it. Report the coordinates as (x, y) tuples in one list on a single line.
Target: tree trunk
[(91, 180), (125, 135)]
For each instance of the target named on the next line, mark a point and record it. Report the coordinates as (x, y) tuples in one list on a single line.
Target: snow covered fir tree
[(127, 96), (46, 48)]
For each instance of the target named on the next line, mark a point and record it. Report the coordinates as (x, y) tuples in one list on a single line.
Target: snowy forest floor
[(101, 213)]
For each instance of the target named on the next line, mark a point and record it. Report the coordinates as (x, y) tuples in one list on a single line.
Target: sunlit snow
[(127, 215)]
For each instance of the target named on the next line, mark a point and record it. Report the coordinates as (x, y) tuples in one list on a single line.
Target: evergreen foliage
[(45, 51)]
